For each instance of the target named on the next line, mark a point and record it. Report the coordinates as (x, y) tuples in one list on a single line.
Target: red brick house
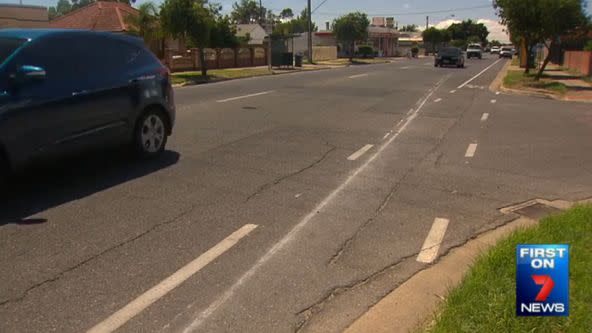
[(99, 15)]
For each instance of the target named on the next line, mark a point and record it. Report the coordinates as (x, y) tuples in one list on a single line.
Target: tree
[(540, 21), (223, 33), (434, 37), (189, 19), (287, 14), (247, 11), (495, 42), (294, 26), (409, 28), (61, 8), (466, 29), (351, 28), (146, 25)]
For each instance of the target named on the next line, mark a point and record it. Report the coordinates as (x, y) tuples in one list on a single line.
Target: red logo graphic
[(547, 283)]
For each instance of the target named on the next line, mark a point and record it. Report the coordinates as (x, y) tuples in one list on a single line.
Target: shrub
[(365, 51), (588, 46)]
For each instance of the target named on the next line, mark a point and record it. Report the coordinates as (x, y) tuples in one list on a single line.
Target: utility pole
[(309, 12), (427, 22), (262, 19)]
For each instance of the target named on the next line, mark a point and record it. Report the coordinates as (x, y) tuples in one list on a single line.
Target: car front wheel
[(150, 134)]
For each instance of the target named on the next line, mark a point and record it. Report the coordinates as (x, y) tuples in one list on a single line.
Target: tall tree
[(61, 8), (466, 29), (434, 37), (351, 28), (247, 11), (146, 25), (189, 19), (409, 28), (287, 14), (540, 21), (294, 26)]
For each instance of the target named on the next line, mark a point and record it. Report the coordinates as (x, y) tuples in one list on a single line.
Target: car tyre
[(150, 134)]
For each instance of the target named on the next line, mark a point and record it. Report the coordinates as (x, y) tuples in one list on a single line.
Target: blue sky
[(402, 10)]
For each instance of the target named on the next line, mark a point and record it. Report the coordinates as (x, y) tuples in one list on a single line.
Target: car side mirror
[(27, 73)]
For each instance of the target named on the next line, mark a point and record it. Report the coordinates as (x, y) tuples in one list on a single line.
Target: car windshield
[(449, 52), (506, 49), (474, 46), (8, 46)]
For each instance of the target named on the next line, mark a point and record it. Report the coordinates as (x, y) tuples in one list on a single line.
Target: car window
[(8, 46), (449, 52)]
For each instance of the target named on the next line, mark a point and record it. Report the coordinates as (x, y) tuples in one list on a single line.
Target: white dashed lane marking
[(431, 245)]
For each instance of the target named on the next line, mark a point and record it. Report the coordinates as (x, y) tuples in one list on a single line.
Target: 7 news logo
[(542, 280)]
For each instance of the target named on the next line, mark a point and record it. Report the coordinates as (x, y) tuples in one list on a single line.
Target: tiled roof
[(100, 16)]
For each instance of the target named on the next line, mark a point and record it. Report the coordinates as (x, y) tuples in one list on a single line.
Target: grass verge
[(485, 300), (519, 80), (218, 75)]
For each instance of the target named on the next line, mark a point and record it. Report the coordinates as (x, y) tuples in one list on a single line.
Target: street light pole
[(309, 12)]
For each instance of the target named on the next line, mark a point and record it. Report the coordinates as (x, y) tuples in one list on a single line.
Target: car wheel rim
[(152, 135)]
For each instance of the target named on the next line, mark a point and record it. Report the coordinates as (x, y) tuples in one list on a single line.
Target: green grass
[(519, 80), (218, 74), (485, 300)]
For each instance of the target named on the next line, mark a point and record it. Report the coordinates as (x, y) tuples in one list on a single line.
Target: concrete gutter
[(413, 305)]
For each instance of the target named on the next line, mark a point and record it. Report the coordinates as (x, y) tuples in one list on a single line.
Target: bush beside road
[(485, 300)]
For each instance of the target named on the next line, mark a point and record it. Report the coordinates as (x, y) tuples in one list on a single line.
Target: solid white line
[(386, 135), (484, 116), (480, 73), (431, 245), (437, 100), (471, 150), (129, 311), (357, 76), (289, 237), (360, 152), (493, 101), (245, 96), (452, 91)]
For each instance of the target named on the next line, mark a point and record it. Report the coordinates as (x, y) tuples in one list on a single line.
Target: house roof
[(243, 29), (99, 15)]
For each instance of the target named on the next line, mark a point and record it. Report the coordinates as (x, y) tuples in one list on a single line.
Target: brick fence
[(579, 60), (217, 58)]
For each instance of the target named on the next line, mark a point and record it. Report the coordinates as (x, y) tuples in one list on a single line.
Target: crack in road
[(266, 186), (308, 312), (24, 294)]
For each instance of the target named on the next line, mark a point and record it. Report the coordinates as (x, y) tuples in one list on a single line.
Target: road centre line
[(484, 117), (406, 67), (360, 152), (386, 135), (471, 150), (437, 100), (357, 76), (245, 96), (289, 237), (143, 301), (479, 74), (452, 91), (493, 101), (431, 245)]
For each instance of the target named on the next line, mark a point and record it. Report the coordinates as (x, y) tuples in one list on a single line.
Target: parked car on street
[(495, 49), (450, 56), (506, 52), (65, 91), (474, 50)]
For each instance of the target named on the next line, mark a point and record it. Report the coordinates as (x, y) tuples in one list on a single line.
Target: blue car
[(66, 91)]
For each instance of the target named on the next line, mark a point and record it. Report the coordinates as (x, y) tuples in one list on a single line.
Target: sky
[(442, 13)]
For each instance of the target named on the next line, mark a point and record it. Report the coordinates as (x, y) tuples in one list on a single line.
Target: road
[(326, 182)]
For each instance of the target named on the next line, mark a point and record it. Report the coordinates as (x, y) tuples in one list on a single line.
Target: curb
[(498, 85), (412, 305)]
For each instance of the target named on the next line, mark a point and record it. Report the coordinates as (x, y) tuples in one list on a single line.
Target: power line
[(418, 13), (319, 6)]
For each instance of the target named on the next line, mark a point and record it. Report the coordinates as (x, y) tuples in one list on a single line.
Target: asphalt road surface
[(284, 203)]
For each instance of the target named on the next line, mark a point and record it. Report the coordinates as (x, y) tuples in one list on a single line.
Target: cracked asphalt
[(82, 237)]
